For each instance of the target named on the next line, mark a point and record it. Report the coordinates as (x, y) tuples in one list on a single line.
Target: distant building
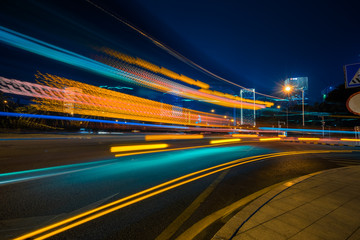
[(248, 116)]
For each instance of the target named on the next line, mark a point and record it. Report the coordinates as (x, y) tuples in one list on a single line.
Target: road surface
[(61, 181)]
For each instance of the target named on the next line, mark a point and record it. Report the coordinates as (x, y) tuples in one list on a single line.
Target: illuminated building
[(297, 84)]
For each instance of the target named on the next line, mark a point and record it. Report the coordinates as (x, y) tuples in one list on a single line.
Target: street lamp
[(5, 102), (303, 108), (287, 89)]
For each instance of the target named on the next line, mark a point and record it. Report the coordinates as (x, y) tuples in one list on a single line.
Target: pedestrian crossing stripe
[(356, 78)]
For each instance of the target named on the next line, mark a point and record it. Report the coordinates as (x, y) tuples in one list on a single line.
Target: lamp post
[(287, 89), (303, 108), (5, 103)]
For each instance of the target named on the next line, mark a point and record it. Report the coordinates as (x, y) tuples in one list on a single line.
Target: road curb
[(325, 143), (229, 230)]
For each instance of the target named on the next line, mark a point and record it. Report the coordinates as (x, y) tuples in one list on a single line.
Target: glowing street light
[(287, 89), (212, 110)]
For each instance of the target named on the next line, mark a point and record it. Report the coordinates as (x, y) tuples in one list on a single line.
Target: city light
[(287, 89)]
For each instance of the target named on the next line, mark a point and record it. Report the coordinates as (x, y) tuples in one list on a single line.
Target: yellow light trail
[(269, 139), (222, 99), (154, 68), (138, 147), (245, 135), (221, 167), (165, 150), (172, 137), (73, 97), (308, 139), (225, 140), (350, 139)]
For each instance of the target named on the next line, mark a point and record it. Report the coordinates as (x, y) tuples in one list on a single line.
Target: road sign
[(353, 103), (352, 75)]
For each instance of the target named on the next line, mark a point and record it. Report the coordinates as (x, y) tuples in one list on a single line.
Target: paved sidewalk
[(317, 206)]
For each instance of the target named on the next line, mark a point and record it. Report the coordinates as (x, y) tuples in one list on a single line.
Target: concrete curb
[(323, 143), (230, 229)]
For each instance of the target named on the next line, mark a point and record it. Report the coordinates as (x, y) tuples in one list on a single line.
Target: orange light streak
[(83, 99), (350, 139), (269, 139), (308, 139), (225, 140), (172, 137), (138, 147), (245, 135)]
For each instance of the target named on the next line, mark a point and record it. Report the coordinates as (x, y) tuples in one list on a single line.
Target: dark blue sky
[(252, 43), (260, 43)]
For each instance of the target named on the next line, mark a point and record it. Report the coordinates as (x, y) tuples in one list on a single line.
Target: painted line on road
[(137, 197), (125, 199), (186, 214)]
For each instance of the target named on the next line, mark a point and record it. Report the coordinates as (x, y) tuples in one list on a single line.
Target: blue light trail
[(10, 114), (44, 49)]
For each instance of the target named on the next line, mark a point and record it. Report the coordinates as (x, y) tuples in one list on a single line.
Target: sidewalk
[(324, 205)]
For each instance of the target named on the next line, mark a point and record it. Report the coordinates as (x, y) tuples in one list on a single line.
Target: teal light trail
[(41, 48)]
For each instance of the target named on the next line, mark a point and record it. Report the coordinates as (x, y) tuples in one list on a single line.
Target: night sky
[(252, 43), (260, 43)]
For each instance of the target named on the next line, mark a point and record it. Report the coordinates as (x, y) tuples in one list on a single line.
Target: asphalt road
[(81, 175)]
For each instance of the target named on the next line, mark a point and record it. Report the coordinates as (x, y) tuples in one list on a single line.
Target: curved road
[(136, 197)]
